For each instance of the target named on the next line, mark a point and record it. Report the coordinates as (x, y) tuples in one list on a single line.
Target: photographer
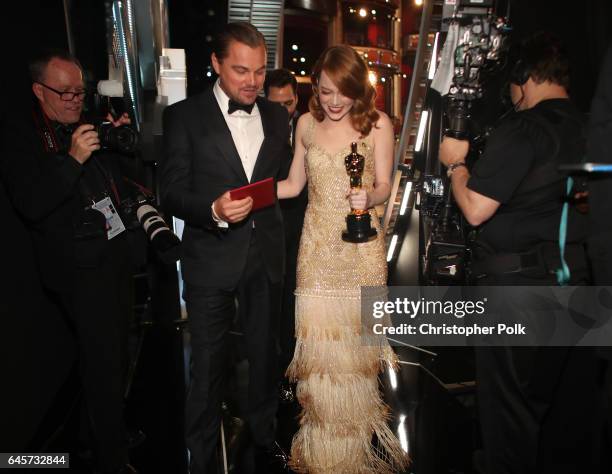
[(539, 407), (67, 192)]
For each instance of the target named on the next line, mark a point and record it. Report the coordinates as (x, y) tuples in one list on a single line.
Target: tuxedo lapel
[(220, 133), (266, 122)]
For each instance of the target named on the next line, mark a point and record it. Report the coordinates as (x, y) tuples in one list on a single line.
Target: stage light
[(392, 378), (372, 77), (382, 79), (418, 3), (294, 47), (432, 62), (391, 248), (402, 433), (373, 12), (421, 132), (363, 12), (303, 73), (302, 59), (405, 198)]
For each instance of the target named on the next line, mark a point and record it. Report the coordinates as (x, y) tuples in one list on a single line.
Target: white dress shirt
[(246, 130), (247, 133)]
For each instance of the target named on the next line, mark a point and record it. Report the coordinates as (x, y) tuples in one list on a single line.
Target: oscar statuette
[(358, 225)]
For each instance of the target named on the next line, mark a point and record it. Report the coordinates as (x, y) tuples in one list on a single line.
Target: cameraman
[(538, 406), (67, 192)]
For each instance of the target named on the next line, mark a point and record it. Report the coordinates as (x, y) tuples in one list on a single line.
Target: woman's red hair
[(349, 72)]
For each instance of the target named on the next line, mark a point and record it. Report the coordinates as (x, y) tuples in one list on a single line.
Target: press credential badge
[(114, 224)]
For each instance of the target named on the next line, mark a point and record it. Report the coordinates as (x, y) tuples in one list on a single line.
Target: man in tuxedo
[(281, 87), (222, 139)]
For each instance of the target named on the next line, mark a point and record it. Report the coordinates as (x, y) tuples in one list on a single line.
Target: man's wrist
[(453, 166), (220, 222)]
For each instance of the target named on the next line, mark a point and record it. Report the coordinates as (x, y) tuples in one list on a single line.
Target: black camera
[(122, 139), (140, 212), (474, 53), (480, 45)]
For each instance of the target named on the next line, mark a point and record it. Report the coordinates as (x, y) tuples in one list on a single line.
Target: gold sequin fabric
[(343, 423)]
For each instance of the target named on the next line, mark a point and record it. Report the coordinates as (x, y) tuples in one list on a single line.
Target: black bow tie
[(233, 106)]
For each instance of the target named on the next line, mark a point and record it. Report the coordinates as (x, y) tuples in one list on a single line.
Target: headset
[(520, 72)]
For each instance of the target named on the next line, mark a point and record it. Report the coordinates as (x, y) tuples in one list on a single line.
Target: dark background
[(30, 25)]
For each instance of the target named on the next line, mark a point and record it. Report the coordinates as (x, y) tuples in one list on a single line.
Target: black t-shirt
[(519, 169)]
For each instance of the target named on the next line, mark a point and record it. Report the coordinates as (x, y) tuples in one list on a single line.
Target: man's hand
[(358, 199), (123, 120), (85, 141), (453, 151), (232, 211)]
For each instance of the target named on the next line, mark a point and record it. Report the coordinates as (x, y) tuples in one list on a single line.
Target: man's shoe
[(478, 461), (135, 438), (127, 469)]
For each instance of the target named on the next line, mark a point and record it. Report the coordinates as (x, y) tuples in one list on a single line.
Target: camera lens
[(123, 139)]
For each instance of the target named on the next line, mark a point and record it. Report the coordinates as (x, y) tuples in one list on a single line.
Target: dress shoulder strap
[(308, 137)]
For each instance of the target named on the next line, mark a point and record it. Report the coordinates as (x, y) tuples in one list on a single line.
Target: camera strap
[(107, 178), (45, 131)]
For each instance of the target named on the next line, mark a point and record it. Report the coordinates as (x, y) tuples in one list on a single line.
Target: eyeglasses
[(66, 96)]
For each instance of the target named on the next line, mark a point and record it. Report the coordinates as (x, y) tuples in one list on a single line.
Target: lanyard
[(563, 273)]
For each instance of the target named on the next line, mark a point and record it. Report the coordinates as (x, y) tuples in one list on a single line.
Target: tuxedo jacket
[(201, 163)]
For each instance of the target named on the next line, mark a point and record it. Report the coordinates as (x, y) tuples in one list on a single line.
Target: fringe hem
[(343, 424)]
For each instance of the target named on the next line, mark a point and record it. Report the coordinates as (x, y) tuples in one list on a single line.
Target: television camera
[(474, 51)]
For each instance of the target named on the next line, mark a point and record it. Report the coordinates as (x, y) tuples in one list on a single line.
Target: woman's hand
[(358, 199)]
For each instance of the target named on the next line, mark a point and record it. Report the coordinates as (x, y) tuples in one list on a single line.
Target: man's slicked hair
[(38, 64), (239, 31), (280, 78)]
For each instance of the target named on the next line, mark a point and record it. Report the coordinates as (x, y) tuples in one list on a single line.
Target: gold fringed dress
[(343, 424)]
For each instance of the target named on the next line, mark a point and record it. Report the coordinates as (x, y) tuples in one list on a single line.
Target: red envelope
[(262, 193)]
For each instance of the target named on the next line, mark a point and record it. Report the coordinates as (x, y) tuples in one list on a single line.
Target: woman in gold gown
[(343, 424)]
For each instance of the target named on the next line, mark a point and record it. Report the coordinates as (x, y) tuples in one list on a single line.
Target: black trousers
[(540, 408), (99, 307), (211, 312)]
